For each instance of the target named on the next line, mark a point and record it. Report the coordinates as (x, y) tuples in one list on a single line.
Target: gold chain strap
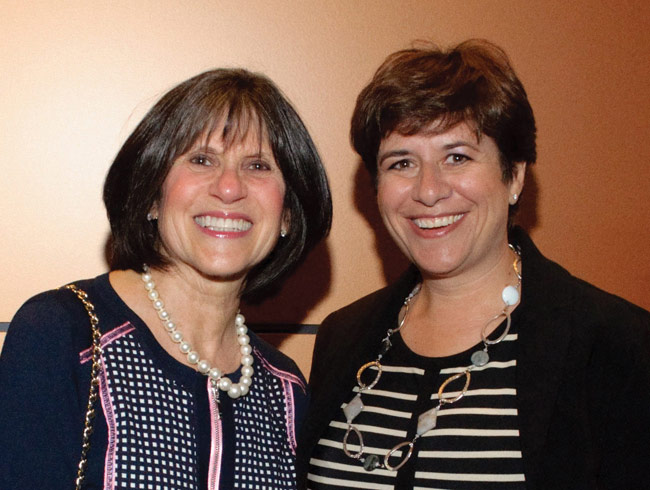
[(94, 382)]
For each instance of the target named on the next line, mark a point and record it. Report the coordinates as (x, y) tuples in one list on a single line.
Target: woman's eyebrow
[(211, 150), (459, 143), (392, 153), (205, 148)]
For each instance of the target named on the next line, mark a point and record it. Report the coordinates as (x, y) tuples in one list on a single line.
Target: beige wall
[(78, 75)]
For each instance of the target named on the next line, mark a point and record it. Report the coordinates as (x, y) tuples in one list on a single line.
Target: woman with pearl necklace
[(216, 196)]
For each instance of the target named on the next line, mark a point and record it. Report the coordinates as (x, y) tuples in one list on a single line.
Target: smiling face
[(221, 206), (443, 199)]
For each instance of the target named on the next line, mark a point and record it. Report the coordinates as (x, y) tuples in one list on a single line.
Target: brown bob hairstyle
[(472, 82), (237, 101)]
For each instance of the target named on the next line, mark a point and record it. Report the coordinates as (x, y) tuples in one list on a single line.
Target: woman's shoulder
[(50, 315), (57, 300), (275, 361), (601, 324), (570, 292), (365, 318), (549, 286), (359, 308), (607, 314), (376, 305)]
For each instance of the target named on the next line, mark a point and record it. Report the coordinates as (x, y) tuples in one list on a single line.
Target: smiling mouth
[(223, 224), (431, 223)]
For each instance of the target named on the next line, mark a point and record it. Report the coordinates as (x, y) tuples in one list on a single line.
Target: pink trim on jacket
[(279, 372), (216, 444), (289, 403), (107, 402), (107, 338), (111, 446)]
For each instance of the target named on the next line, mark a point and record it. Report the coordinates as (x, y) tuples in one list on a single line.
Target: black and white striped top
[(474, 446)]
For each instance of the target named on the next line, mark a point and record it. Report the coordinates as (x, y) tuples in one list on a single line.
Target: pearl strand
[(234, 390)]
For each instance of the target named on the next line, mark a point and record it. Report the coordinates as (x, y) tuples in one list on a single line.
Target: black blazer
[(583, 376)]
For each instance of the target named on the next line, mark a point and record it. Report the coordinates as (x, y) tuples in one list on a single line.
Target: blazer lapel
[(543, 343)]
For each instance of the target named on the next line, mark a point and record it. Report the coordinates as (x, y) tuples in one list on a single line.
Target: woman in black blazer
[(486, 365)]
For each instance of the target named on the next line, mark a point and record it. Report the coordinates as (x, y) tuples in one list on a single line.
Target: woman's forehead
[(438, 129)]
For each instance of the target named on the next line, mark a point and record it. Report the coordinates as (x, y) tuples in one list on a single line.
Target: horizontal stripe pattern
[(474, 446)]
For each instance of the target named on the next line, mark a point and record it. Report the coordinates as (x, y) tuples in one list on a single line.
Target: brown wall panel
[(77, 76)]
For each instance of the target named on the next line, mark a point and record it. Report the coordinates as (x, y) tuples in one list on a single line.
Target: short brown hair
[(472, 82)]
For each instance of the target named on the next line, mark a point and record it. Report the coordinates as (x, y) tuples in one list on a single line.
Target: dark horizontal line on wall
[(279, 328), (283, 328)]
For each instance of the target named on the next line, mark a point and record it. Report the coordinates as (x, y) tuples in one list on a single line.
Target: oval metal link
[(357, 455), (404, 458), (441, 391), (367, 365), (487, 341), (516, 264), (407, 303), (478, 359)]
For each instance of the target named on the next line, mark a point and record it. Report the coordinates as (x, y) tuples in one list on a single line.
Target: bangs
[(232, 115), (235, 124), (412, 124)]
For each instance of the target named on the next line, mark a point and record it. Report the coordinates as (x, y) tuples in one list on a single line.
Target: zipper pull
[(215, 396)]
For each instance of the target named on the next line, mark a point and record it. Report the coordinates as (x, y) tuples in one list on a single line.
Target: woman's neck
[(448, 314), (203, 310)]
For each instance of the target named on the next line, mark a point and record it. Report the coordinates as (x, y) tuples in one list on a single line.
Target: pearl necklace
[(426, 420), (217, 379)]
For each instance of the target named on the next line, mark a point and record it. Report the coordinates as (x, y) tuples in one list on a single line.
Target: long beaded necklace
[(217, 379), (427, 420)]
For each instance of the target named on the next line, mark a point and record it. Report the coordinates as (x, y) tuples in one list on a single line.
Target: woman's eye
[(457, 158), (399, 165), (200, 160), (259, 165)]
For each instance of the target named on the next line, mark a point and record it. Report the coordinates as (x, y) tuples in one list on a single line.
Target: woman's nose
[(228, 185), (431, 185)]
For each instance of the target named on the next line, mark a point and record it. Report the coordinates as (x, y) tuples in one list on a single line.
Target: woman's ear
[(517, 182)]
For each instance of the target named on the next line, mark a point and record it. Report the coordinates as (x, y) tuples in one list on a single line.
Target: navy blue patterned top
[(161, 424)]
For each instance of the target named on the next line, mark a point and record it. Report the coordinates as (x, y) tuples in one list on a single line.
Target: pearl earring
[(151, 217), (283, 233), (515, 196)]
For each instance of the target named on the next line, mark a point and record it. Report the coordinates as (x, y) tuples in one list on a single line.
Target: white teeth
[(427, 223), (222, 224)]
